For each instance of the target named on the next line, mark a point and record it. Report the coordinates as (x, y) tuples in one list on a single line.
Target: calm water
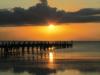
[(82, 59)]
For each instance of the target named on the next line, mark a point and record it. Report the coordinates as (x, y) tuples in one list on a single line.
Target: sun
[(51, 27)]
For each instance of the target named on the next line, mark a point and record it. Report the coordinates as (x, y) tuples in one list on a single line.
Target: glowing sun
[(51, 27)]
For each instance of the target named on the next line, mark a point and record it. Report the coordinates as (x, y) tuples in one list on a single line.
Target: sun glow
[(51, 27)]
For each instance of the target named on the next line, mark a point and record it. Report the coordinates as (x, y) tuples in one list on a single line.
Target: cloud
[(41, 14), (45, 2)]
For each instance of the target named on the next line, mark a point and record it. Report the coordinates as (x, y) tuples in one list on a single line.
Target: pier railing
[(15, 47)]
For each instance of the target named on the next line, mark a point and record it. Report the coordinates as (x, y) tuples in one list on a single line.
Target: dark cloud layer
[(41, 14)]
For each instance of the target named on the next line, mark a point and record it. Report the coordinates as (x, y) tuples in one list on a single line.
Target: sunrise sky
[(89, 31)]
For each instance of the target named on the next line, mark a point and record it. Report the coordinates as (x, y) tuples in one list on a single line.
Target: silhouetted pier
[(34, 47)]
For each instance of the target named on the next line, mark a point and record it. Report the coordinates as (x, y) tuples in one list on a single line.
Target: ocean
[(82, 59)]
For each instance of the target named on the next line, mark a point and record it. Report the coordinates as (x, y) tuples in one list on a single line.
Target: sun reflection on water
[(51, 57)]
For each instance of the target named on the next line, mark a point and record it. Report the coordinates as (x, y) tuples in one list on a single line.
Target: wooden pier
[(34, 47)]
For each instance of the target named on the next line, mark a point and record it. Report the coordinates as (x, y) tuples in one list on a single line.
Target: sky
[(89, 31), (76, 31), (68, 5)]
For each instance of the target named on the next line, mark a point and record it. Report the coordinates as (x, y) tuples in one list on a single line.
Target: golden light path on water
[(51, 54), (51, 57)]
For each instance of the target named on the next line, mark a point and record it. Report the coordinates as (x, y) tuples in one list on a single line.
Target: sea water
[(82, 59)]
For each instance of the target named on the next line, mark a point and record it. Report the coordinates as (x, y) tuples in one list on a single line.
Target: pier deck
[(15, 47)]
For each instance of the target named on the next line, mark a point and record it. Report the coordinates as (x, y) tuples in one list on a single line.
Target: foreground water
[(82, 59)]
